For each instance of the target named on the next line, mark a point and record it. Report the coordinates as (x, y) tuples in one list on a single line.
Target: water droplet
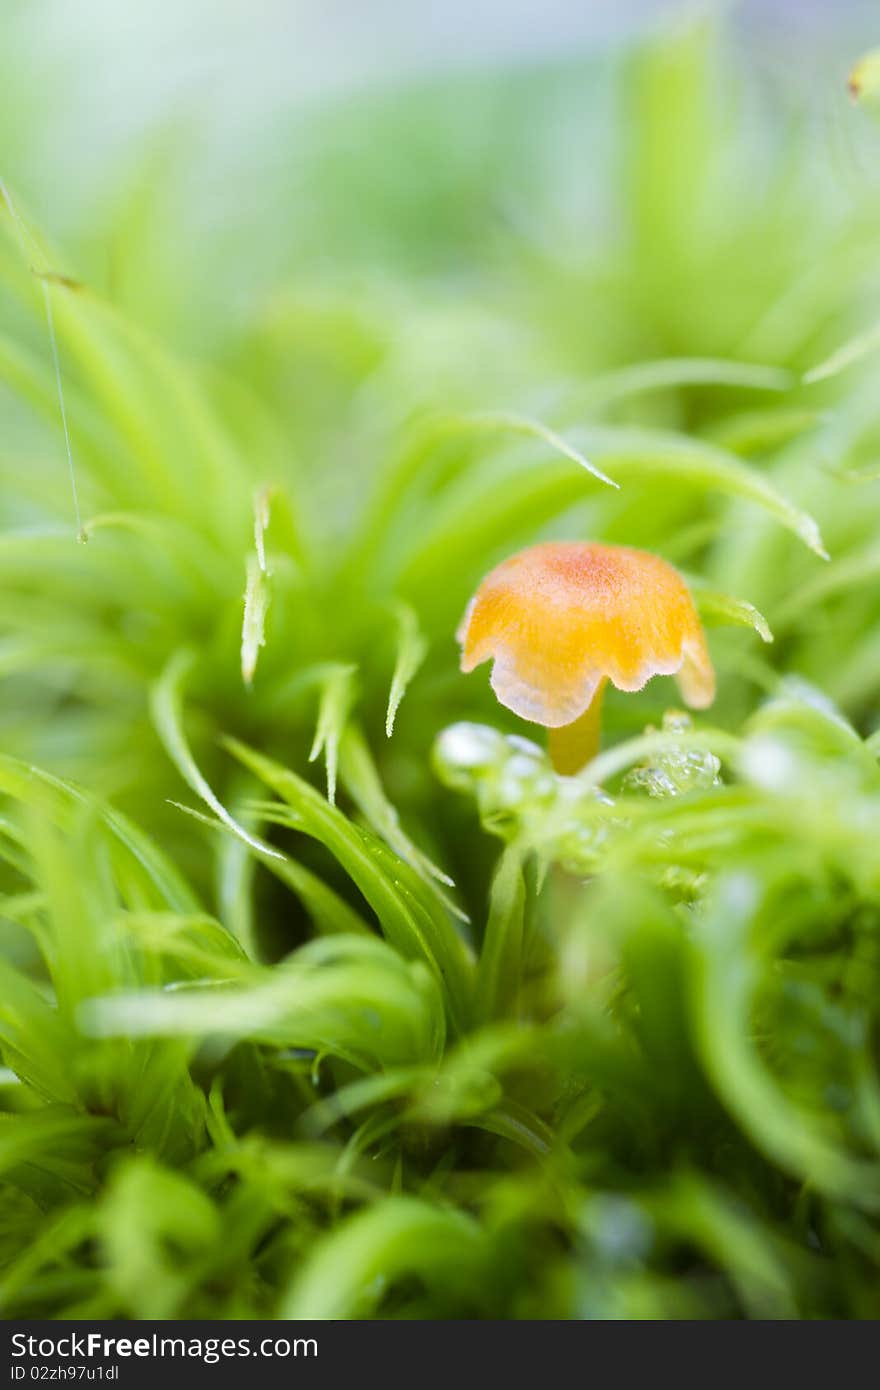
[(469, 746), (675, 771)]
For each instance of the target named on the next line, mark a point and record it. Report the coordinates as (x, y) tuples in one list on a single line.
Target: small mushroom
[(562, 619)]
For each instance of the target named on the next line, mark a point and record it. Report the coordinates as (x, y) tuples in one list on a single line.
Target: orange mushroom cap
[(561, 618)]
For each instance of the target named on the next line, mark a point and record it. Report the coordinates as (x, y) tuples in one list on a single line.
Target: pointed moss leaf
[(498, 973), (363, 1094), (361, 778), (674, 372), (517, 1124), (847, 355), (468, 1081), (412, 647), (262, 505), (352, 997), (409, 913), (257, 592), (656, 453), (136, 851), (534, 429), (330, 914), (423, 915), (253, 627), (716, 607), (36, 1042), (500, 502), (337, 698), (166, 704)]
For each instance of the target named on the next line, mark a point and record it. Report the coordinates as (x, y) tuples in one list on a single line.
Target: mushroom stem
[(573, 745)]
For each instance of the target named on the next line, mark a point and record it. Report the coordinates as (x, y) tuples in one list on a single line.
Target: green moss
[(428, 1030)]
